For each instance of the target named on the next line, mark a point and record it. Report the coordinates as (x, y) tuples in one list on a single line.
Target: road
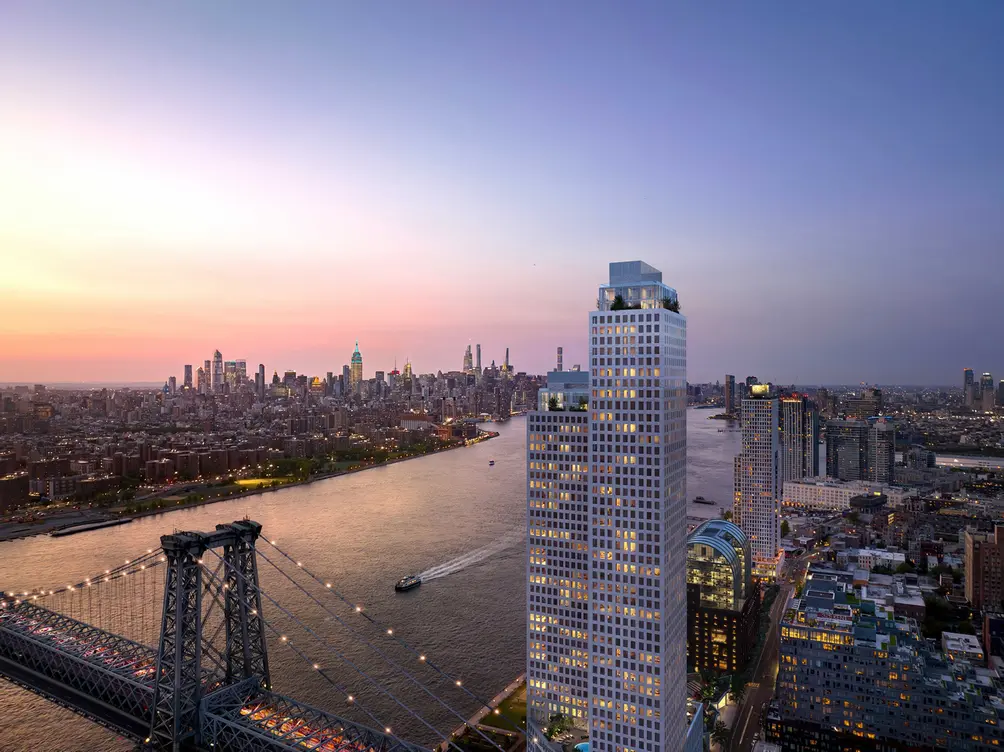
[(761, 689)]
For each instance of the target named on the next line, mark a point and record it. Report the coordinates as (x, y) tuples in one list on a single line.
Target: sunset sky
[(822, 183)]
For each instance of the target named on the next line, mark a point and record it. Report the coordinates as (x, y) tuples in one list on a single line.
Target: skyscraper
[(730, 394), (478, 363), (202, 385), (799, 438), (558, 552), (861, 450), (987, 395), (241, 372), (468, 361), (172, 384), (217, 372), (968, 378), (356, 370), (187, 383), (756, 508), (636, 522), (561, 365), (261, 379), (881, 451), (866, 405)]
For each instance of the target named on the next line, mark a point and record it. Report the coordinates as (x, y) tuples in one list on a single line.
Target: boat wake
[(476, 556)]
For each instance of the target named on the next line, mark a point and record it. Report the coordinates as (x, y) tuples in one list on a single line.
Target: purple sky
[(823, 184)]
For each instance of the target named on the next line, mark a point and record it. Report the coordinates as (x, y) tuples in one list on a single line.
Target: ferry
[(702, 500), (491, 463), (408, 583)]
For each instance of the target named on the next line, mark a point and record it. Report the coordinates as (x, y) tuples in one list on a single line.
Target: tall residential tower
[(633, 515), (756, 508)]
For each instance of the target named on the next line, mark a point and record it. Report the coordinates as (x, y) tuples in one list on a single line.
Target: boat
[(702, 500), (410, 582), (491, 463)]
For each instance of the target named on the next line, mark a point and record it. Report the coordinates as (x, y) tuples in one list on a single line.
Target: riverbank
[(74, 518)]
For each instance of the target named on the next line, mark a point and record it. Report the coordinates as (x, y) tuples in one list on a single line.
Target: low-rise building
[(723, 602), (835, 495), (854, 675), (957, 646)]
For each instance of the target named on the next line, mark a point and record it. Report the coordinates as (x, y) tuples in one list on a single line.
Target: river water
[(363, 531)]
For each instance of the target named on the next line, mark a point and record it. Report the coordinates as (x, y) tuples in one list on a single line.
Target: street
[(761, 689)]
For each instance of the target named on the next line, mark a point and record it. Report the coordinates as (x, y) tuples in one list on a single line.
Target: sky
[(822, 183)]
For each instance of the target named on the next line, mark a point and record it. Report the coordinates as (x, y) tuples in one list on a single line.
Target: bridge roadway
[(110, 680)]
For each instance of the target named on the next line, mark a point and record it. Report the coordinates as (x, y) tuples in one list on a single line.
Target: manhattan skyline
[(278, 184)]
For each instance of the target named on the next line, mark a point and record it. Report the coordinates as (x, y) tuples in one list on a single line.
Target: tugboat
[(702, 500), (410, 582), (491, 463)]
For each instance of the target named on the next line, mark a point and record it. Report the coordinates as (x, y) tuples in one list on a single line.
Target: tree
[(785, 528), (672, 305), (558, 724), (726, 514), (552, 403), (720, 734), (737, 688), (618, 304)]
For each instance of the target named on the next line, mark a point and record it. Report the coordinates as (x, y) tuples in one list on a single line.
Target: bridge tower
[(188, 662)]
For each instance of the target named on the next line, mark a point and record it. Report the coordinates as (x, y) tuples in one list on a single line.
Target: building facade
[(606, 502), (356, 370), (730, 394), (557, 664), (638, 638), (756, 507), (799, 438), (723, 602), (861, 450), (984, 564), (835, 496), (856, 675)]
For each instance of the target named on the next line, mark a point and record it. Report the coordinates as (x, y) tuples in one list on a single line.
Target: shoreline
[(110, 515)]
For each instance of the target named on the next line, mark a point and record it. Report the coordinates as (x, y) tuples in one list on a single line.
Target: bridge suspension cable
[(393, 635), (417, 682), (380, 688)]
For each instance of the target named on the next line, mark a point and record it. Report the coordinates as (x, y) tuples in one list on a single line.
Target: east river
[(362, 531)]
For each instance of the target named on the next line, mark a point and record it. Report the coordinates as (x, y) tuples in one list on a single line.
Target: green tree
[(737, 688), (558, 724), (726, 514), (618, 304), (785, 528), (552, 403), (720, 734)]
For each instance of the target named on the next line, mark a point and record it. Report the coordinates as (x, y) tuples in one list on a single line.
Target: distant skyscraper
[(847, 449), (217, 372), (968, 378), (861, 450), (1000, 393), (757, 504), (187, 384), (478, 363), (356, 370), (241, 372), (730, 394), (866, 405), (881, 451), (230, 374), (172, 384), (560, 364), (202, 382), (987, 395), (468, 361), (799, 438), (261, 379)]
